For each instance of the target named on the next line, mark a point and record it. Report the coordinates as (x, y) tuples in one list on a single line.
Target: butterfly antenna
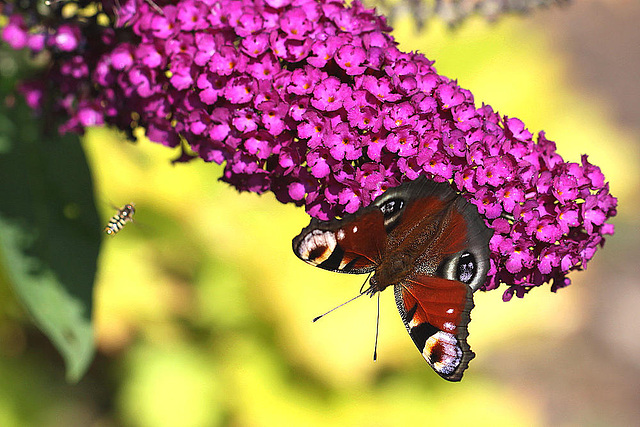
[(337, 307), (375, 346)]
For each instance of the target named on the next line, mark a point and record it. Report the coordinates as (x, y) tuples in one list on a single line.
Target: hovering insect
[(120, 219)]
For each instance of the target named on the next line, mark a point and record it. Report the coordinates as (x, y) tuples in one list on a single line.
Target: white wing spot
[(355, 228), (450, 311)]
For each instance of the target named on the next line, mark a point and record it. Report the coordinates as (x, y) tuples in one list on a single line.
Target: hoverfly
[(118, 221)]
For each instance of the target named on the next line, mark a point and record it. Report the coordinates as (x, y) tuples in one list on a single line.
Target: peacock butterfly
[(430, 244)]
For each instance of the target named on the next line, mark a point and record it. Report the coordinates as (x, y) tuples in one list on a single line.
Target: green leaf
[(49, 231)]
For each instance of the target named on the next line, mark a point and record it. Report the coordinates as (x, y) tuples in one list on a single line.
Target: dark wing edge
[(478, 237)]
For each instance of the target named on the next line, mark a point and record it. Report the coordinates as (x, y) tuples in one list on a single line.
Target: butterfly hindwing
[(435, 312)]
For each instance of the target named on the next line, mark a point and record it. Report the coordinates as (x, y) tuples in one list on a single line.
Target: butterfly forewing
[(351, 245)]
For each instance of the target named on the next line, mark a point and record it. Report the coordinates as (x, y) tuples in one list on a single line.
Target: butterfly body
[(427, 242)]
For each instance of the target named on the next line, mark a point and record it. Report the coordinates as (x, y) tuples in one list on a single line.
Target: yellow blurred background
[(203, 313)]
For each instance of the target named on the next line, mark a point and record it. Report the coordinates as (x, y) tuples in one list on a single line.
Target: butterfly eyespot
[(317, 247), (392, 207), (442, 352), (466, 268)]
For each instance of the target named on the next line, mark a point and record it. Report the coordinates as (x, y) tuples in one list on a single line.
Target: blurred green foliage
[(49, 231), (203, 314)]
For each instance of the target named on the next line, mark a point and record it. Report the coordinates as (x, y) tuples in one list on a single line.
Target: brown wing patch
[(440, 302)]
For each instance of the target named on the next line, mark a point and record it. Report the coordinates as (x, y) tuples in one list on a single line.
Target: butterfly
[(426, 241)]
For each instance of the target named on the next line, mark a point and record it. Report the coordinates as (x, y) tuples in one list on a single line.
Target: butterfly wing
[(354, 244), (436, 297), (433, 217), (435, 312)]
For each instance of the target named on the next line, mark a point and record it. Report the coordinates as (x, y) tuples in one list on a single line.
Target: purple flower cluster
[(312, 100)]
